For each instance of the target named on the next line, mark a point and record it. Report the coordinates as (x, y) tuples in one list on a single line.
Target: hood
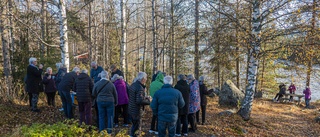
[(160, 77), (119, 81), (82, 76)]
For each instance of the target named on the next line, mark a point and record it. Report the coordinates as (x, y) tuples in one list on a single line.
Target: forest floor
[(267, 119)]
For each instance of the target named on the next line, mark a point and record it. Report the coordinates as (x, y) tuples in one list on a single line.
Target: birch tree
[(123, 37), (63, 34), (154, 39), (246, 106)]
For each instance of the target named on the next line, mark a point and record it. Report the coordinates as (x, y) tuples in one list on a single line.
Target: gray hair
[(49, 68), (201, 78), (84, 71), (190, 77), (104, 74), (93, 63), (76, 69), (141, 75), (181, 77), (59, 65), (32, 59), (115, 77), (168, 80)]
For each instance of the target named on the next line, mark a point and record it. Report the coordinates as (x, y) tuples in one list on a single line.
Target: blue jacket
[(94, 74), (166, 103)]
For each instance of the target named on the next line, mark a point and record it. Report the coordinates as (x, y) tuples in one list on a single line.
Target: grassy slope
[(268, 119)]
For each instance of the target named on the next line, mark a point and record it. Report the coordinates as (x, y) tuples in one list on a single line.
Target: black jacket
[(203, 93), (184, 88), (34, 79), (117, 72), (137, 96), (67, 82), (50, 85), (83, 86)]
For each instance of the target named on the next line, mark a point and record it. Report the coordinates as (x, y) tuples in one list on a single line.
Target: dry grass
[(268, 119)]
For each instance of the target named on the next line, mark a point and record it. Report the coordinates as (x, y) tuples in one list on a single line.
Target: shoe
[(125, 125), (178, 135), (152, 131), (116, 125), (185, 134)]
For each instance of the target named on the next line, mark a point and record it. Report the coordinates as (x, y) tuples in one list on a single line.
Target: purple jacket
[(307, 93), (122, 92)]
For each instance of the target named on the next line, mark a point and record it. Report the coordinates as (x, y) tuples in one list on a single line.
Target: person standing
[(83, 87), (50, 87), (292, 90), (203, 93), (34, 82), (65, 86), (115, 70), (59, 75), (194, 102), (107, 98), (166, 104), (137, 101), (184, 88), (123, 100), (154, 87), (307, 95), (95, 70)]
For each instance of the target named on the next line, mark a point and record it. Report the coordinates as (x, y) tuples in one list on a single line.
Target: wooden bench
[(287, 97)]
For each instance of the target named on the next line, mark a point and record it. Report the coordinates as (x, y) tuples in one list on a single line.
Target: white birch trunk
[(63, 34), (154, 39), (246, 105), (123, 38)]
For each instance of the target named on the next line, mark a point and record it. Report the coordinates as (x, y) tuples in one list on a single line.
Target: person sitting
[(282, 91)]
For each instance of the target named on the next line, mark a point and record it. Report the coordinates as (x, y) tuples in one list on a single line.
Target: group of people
[(177, 105), (172, 106), (292, 90)]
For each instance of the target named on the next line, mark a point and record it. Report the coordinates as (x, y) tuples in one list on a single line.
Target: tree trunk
[(246, 106), (172, 50), (63, 34), (123, 37), (196, 43), (312, 42), (43, 27), (11, 36), (5, 53), (90, 34), (154, 40)]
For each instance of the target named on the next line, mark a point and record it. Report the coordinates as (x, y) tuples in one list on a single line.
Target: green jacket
[(157, 84)]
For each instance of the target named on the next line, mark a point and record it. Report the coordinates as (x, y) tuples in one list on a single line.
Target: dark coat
[(83, 86), (59, 76), (107, 94), (34, 79), (50, 85), (119, 72), (95, 72), (203, 93), (184, 88), (136, 96), (166, 103), (67, 82)]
